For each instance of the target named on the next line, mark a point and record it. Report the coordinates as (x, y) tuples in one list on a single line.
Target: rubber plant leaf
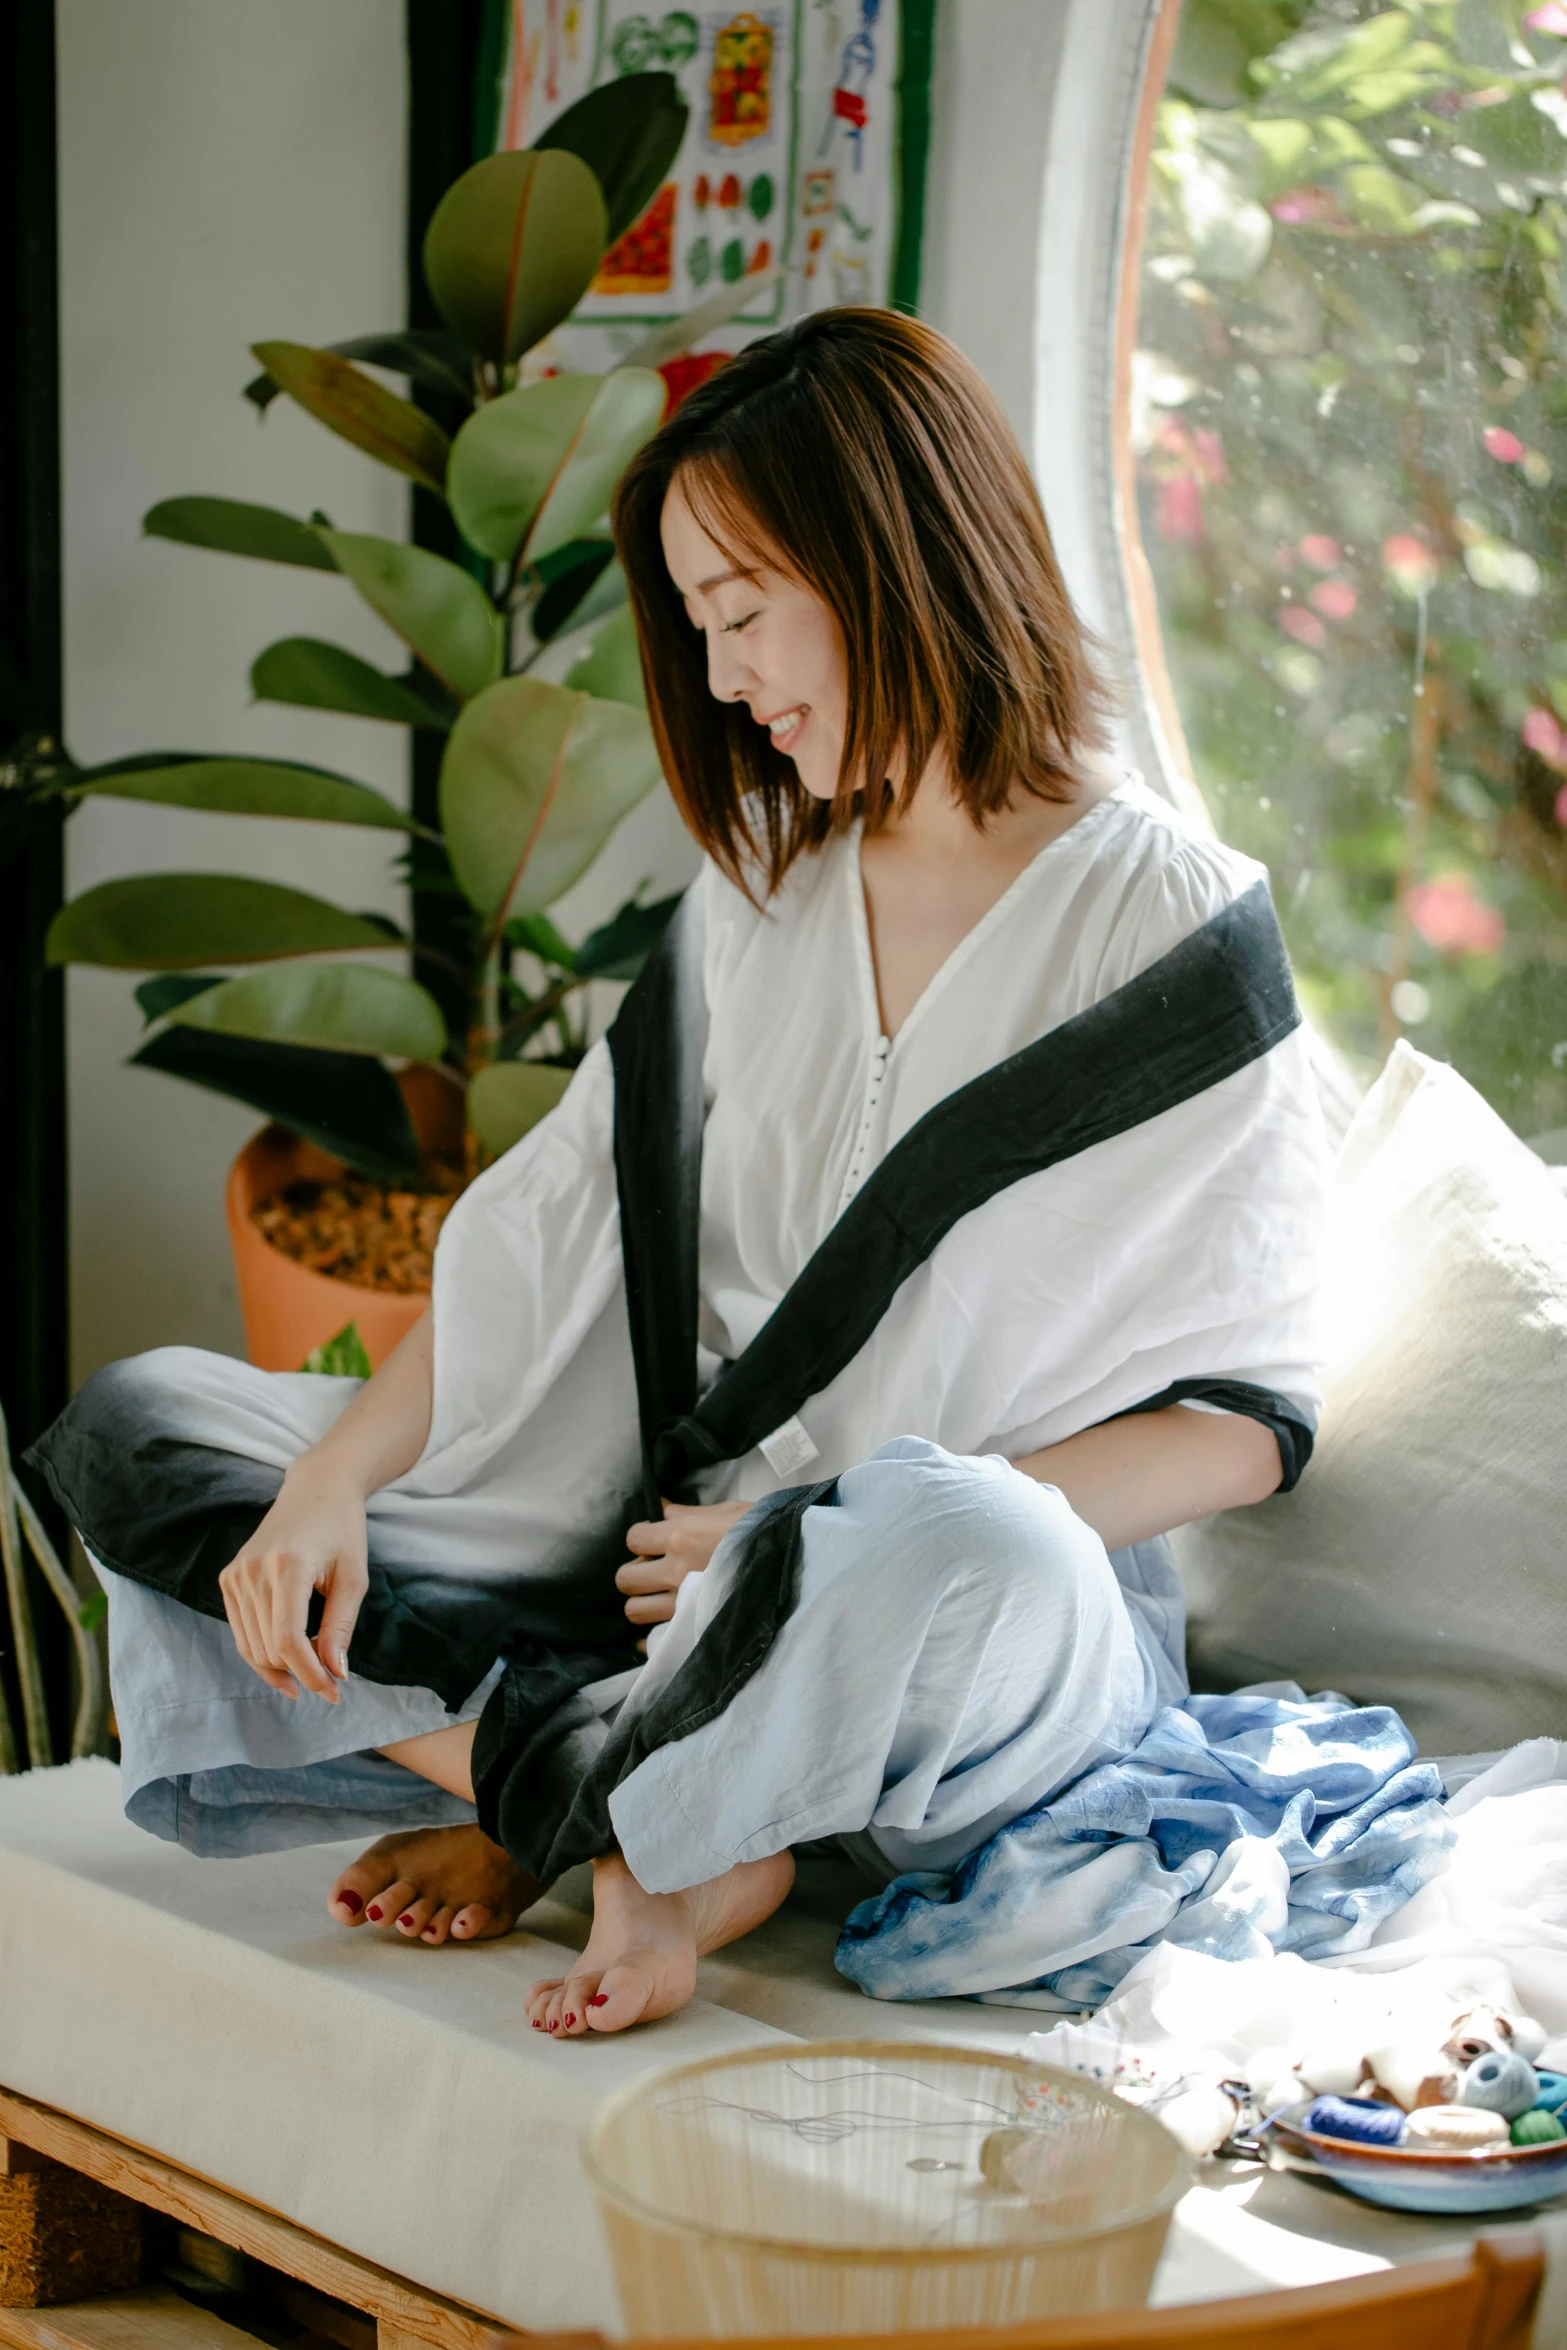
[(427, 355), (233, 527), (349, 1007), (249, 787), (506, 1098), (179, 921), (353, 405), (512, 248), (534, 780), (596, 548), (313, 675), (158, 997), (667, 342), (619, 949), (539, 936), (628, 132), (347, 1104), (436, 607), (566, 594), (534, 469), (611, 667)]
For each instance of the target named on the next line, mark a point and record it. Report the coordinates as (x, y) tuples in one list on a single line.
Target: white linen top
[(1184, 1248)]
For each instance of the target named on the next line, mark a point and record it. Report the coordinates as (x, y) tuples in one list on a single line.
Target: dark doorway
[(34, 1329), (453, 50)]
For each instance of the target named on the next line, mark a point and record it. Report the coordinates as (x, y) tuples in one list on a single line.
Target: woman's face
[(771, 643)]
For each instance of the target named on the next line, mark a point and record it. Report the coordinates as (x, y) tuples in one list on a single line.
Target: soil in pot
[(354, 1228), (290, 1308)]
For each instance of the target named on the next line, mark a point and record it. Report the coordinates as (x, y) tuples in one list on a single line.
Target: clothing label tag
[(787, 1449)]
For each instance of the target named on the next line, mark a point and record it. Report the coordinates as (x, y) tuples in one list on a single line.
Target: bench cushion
[(395, 2100)]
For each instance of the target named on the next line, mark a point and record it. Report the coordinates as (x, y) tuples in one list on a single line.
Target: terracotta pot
[(287, 1308)]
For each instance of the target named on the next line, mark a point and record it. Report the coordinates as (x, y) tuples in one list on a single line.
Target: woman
[(958, 1146)]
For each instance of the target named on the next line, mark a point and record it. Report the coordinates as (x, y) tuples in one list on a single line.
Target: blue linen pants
[(960, 1648)]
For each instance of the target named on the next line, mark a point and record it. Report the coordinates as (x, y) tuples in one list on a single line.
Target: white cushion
[(1422, 1560), (394, 2099)]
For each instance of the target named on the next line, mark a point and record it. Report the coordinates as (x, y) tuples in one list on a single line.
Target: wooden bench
[(79, 2232), (76, 2249)]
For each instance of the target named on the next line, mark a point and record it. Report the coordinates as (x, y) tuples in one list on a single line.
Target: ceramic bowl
[(1493, 2178)]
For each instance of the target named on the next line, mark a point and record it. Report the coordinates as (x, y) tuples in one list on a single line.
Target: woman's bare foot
[(641, 1957), (433, 1883)]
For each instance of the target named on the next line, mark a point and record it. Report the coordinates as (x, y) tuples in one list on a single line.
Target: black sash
[(1215, 1003), (1219, 1000)]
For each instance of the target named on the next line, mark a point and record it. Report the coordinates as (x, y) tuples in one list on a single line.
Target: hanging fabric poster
[(802, 163)]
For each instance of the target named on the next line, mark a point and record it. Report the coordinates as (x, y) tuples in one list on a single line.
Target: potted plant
[(386, 1090)]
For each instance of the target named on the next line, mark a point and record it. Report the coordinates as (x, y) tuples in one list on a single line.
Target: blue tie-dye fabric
[(1238, 1826)]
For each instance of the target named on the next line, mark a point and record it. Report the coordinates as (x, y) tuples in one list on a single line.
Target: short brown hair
[(862, 452)]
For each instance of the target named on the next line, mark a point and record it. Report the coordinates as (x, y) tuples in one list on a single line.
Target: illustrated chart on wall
[(804, 154)]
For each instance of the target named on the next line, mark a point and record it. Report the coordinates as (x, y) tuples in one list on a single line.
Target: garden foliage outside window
[(1350, 421)]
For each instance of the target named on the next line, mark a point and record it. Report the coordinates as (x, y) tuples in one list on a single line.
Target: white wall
[(1024, 223), (992, 92), (228, 171)]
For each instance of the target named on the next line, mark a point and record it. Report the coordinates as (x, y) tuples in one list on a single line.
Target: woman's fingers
[(233, 1608), (648, 1575), (648, 1538), (242, 1621), (312, 1539), (295, 1651), (283, 1607), (663, 1555), (656, 1609), (267, 1598), (251, 1642), (345, 1588)]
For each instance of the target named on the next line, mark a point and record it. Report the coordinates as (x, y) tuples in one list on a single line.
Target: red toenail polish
[(571, 2019), (374, 1911), (351, 1901), (599, 1999), (407, 1918), (554, 2027)]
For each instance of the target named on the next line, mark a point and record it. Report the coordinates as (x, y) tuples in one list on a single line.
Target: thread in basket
[(827, 2129)]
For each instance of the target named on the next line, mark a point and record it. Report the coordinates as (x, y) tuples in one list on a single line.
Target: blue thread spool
[(1360, 2119), (1551, 2095), (1499, 2083)]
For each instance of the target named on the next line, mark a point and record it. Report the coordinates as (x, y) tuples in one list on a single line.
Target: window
[(1349, 424)]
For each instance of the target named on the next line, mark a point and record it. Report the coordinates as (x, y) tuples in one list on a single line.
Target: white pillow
[(1422, 1560)]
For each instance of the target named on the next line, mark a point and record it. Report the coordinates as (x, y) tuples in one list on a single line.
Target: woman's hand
[(666, 1552), (312, 1539)]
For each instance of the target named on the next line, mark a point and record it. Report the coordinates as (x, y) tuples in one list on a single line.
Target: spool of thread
[(1551, 2092), (1499, 2083), (1537, 2128), (1359, 2119), (1469, 2128)]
